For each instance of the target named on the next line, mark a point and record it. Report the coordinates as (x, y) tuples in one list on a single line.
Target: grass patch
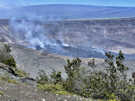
[(54, 88), (1, 93), (21, 73), (8, 79)]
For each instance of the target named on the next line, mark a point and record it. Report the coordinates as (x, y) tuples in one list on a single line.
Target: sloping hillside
[(23, 92)]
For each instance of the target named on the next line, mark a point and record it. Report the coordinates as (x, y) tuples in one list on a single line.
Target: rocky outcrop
[(8, 69)]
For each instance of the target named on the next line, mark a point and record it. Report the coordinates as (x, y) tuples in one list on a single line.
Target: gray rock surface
[(23, 92), (32, 61)]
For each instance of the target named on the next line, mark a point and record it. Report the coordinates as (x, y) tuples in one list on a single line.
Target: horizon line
[(78, 5)]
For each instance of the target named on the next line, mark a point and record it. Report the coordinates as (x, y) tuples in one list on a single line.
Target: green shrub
[(56, 77), (42, 78), (92, 63), (95, 85), (9, 61), (73, 72), (7, 47), (8, 79), (5, 56), (21, 73), (1, 93)]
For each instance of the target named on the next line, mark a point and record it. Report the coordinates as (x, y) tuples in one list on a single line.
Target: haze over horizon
[(19, 3)]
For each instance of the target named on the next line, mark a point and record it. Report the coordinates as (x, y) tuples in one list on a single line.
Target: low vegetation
[(21, 73), (9, 61), (5, 56), (54, 88), (53, 84), (1, 93), (111, 84), (8, 79)]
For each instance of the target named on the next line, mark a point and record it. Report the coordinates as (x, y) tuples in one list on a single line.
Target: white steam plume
[(34, 32)]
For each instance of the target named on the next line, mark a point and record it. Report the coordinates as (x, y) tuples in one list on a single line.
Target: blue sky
[(14, 3)]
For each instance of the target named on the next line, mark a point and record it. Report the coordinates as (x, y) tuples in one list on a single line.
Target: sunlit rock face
[(77, 38)]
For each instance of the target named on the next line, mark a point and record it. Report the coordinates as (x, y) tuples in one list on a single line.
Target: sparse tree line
[(110, 83)]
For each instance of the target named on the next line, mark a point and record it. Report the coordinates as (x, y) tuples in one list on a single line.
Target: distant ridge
[(63, 11)]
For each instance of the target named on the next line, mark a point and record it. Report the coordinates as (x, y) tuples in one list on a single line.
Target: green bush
[(95, 85), (5, 56), (7, 48), (21, 73), (1, 93), (73, 72), (8, 79), (9, 61), (56, 77), (42, 78)]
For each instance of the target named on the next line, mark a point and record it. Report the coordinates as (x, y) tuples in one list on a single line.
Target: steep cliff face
[(76, 36), (5, 32)]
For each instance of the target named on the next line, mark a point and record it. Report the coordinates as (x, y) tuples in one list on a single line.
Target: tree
[(92, 63), (120, 65), (111, 72), (72, 69), (56, 77)]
